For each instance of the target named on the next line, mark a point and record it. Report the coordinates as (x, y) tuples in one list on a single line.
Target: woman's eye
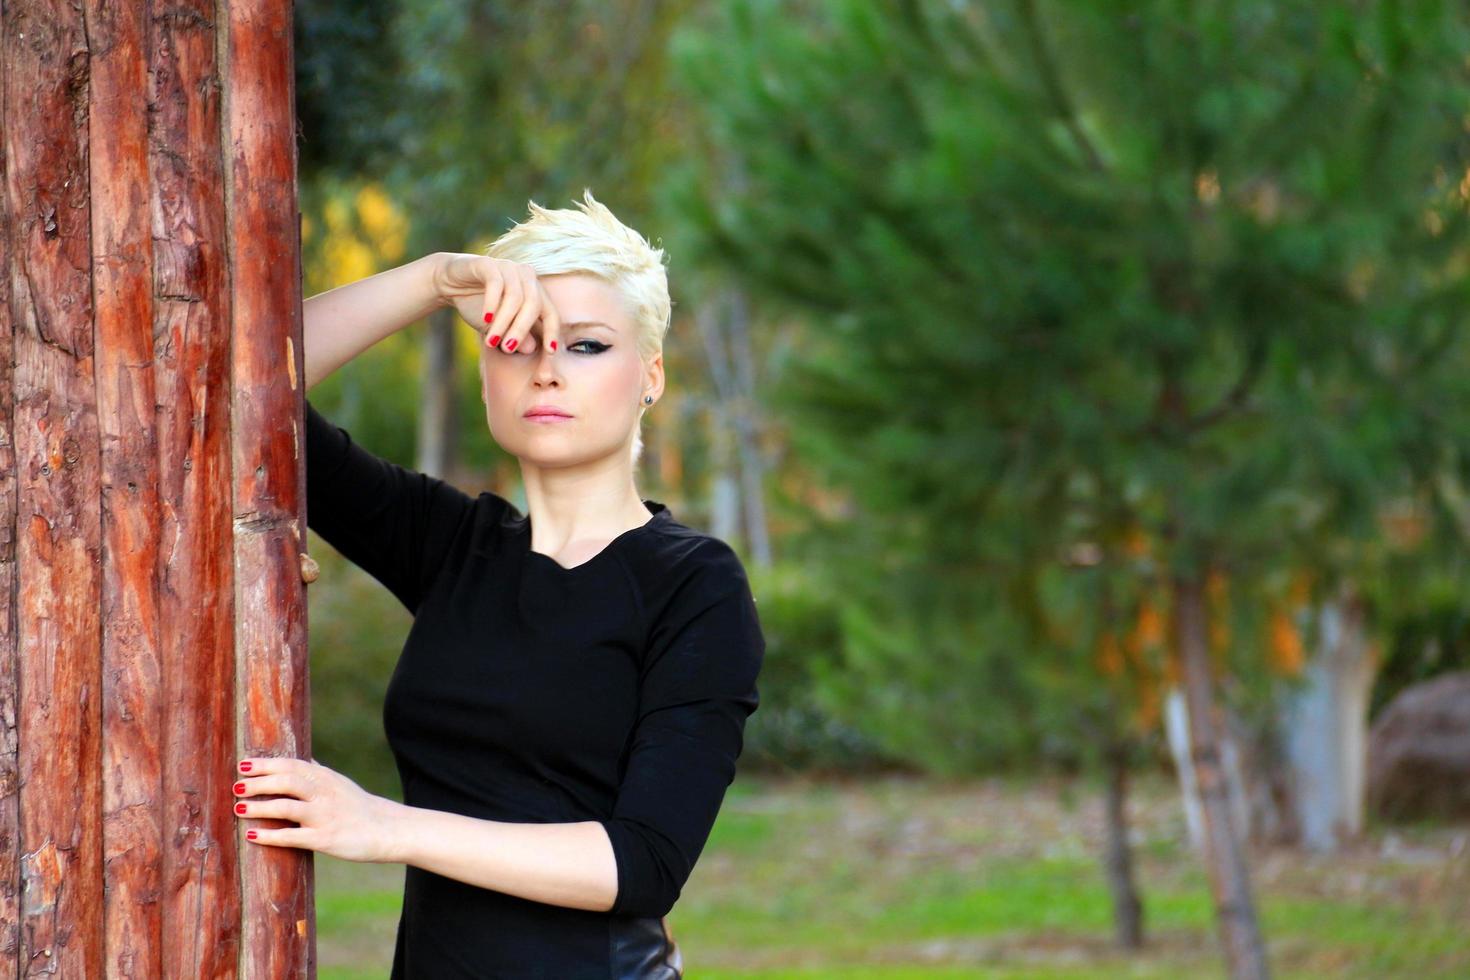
[(597, 347)]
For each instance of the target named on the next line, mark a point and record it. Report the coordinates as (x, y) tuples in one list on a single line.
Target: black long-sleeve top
[(615, 690)]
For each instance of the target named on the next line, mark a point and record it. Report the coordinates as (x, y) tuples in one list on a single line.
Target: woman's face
[(595, 376)]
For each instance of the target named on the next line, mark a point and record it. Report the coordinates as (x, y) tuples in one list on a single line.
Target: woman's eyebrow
[(585, 323)]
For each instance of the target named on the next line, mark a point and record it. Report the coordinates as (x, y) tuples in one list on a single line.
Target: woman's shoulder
[(680, 566), (493, 521)]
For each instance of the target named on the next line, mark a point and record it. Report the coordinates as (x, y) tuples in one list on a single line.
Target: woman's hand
[(336, 816), (502, 300)]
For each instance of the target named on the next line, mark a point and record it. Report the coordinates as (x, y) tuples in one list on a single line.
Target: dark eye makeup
[(597, 346)]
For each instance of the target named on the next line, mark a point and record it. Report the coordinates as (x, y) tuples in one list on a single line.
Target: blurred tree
[(346, 73), (1198, 267)]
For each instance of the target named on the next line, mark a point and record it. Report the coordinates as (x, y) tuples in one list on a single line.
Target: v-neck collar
[(660, 512)]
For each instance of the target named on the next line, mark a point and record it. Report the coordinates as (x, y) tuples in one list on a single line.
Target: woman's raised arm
[(343, 322)]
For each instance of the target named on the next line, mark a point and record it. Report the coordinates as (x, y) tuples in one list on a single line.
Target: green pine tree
[(1071, 268)]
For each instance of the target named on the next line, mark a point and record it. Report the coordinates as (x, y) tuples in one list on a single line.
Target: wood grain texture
[(9, 575), (195, 559), (152, 604), (58, 536), (269, 480), (132, 797)]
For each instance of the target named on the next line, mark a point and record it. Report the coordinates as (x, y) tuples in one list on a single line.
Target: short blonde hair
[(593, 241)]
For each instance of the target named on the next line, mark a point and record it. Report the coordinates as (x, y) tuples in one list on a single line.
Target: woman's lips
[(548, 418)]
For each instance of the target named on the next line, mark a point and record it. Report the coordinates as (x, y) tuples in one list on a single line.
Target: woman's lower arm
[(569, 864), (343, 322)]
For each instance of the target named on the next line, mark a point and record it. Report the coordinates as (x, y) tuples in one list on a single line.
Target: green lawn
[(902, 877)]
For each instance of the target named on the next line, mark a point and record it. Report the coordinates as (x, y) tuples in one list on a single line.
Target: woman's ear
[(654, 377)]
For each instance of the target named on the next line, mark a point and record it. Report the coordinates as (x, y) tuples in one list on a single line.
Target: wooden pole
[(152, 609)]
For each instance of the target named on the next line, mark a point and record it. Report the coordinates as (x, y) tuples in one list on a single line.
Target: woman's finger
[(283, 808), (550, 320), (525, 315), (511, 297), (282, 837), (265, 785), (494, 290)]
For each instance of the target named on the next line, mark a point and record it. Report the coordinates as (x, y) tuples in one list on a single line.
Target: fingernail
[(553, 345), (250, 835), (510, 345), (239, 787), (489, 317), (239, 807), (495, 340), (244, 767)]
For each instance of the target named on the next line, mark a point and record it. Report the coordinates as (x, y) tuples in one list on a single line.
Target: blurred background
[(1086, 387)]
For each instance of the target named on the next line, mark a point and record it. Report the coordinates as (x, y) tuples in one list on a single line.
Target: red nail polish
[(489, 317), (239, 787), (510, 345), (553, 345), (250, 835), (239, 807), (244, 767), (495, 340)]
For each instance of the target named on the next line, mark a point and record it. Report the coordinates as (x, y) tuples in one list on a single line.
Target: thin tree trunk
[(1176, 724), (1127, 907), (438, 435), (1235, 911), (724, 326), (746, 419)]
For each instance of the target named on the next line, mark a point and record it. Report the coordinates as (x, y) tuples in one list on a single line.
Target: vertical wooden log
[(152, 611), (122, 269), (191, 348), (269, 439), (57, 650), (9, 575)]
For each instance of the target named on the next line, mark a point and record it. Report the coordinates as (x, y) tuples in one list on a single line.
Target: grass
[(903, 877)]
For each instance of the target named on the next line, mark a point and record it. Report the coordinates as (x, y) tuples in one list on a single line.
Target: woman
[(570, 703)]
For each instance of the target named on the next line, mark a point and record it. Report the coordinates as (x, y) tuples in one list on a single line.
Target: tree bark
[(1235, 910), (152, 488), (268, 478), (53, 644)]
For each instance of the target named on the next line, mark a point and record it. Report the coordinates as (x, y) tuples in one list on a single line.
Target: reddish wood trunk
[(151, 488), (267, 414), (132, 761)]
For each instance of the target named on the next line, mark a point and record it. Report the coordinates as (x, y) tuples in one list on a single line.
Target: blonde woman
[(570, 703)]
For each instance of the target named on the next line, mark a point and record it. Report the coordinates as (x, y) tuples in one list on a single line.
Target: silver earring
[(648, 399)]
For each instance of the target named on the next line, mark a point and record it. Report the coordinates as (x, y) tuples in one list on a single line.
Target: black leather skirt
[(644, 949)]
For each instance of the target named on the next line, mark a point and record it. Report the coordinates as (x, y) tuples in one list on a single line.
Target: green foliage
[(1074, 270), (790, 731), (346, 71)]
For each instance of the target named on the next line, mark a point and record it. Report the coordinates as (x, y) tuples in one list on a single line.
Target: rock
[(1419, 752)]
